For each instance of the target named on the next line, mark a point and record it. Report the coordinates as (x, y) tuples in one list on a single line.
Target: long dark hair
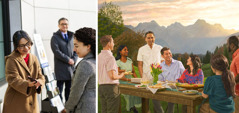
[(121, 47), (196, 64), (87, 37), (17, 36), (219, 62)]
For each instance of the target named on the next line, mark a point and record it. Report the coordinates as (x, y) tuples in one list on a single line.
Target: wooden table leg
[(145, 105), (191, 109), (120, 105)]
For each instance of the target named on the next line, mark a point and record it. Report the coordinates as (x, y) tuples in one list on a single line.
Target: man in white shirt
[(148, 54)]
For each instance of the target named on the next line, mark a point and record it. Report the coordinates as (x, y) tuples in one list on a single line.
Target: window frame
[(6, 31)]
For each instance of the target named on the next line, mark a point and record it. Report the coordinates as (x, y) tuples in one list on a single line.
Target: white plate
[(138, 86), (135, 80), (194, 92)]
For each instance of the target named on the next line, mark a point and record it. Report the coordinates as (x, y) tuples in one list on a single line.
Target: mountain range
[(196, 38)]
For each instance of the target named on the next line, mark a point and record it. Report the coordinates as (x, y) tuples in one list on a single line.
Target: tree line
[(110, 22)]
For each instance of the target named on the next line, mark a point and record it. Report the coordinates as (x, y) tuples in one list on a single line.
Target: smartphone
[(31, 79)]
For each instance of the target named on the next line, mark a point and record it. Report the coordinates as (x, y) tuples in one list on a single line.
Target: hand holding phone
[(34, 82), (31, 79)]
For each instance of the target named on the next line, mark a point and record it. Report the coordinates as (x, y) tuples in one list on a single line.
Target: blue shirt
[(218, 99), (63, 34), (172, 72)]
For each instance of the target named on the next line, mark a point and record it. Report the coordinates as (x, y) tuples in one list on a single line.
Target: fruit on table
[(157, 86), (128, 73)]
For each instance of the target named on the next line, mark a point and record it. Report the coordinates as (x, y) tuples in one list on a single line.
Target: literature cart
[(53, 103)]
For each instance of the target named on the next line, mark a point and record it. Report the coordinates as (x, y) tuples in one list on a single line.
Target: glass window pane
[(2, 62)]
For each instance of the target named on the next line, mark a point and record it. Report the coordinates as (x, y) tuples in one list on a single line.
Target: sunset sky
[(166, 12)]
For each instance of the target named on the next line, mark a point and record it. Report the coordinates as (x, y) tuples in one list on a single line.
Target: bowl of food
[(160, 82), (182, 89), (144, 82), (190, 86), (157, 86), (136, 80), (200, 90), (190, 92)]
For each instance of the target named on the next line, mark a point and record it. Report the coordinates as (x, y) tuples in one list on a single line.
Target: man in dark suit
[(64, 57)]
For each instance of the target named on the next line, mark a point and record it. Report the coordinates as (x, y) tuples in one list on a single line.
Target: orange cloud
[(166, 12)]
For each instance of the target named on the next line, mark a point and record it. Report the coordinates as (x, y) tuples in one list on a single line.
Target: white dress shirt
[(149, 56)]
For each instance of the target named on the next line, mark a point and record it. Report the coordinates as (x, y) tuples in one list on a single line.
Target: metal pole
[(6, 26)]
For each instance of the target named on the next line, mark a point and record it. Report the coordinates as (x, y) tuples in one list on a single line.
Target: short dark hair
[(233, 40), (104, 40), (17, 36), (149, 32), (164, 49), (87, 37), (63, 18)]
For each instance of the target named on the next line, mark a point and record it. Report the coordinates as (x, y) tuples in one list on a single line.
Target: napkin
[(153, 90)]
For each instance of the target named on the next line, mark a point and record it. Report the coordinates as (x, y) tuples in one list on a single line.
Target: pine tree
[(207, 57), (215, 51), (225, 51)]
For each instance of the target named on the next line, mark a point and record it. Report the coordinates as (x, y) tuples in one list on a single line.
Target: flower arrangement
[(156, 69)]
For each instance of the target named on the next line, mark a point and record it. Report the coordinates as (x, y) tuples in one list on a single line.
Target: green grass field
[(164, 104), (123, 106)]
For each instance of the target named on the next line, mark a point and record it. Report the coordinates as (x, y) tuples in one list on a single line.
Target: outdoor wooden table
[(169, 96)]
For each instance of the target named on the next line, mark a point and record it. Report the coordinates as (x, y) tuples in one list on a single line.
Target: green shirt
[(127, 66), (131, 101), (218, 99)]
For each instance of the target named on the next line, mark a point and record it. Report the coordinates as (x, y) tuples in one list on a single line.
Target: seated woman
[(125, 64), (220, 88), (192, 75)]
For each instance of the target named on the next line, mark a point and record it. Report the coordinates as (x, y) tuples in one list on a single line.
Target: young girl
[(220, 88)]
